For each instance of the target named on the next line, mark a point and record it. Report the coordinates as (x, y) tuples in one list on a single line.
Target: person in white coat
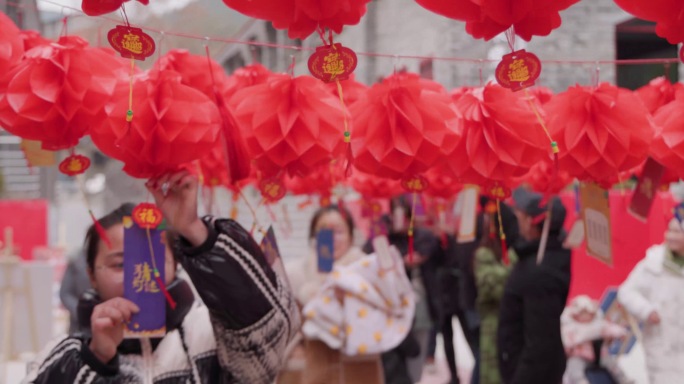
[(654, 294)]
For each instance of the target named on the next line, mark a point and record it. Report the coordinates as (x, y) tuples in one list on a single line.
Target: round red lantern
[(55, 94), (502, 137), (404, 126), (172, 125), (668, 144), (289, 124), (302, 17), (601, 131)]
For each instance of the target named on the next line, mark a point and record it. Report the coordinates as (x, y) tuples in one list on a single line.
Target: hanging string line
[(366, 54)]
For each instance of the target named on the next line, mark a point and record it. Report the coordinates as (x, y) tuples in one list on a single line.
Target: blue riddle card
[(140, 285), (324, 250)]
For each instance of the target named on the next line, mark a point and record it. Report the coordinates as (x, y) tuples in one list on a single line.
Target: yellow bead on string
[(129, 116)]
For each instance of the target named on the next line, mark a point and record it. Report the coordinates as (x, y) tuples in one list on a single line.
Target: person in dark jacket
[(529, 340), (237, 335)]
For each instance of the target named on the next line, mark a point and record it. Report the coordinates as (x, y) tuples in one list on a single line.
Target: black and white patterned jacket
[(238, 335)]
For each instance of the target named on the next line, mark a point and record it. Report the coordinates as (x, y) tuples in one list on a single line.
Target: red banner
[(28, 220)]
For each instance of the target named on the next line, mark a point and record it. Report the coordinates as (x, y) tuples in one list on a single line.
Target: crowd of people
[(508, 287)]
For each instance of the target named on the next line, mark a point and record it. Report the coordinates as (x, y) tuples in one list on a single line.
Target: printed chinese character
[(143, 279), (333, 65), (132, 43), (518, 71)]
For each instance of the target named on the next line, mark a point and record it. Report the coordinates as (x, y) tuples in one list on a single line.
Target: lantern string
[(367, 54)]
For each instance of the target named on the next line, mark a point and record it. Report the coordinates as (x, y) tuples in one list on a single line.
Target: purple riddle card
[(140, 285)]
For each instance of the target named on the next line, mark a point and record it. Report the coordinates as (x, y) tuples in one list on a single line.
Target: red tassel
[(100, 230), (162, 286), (237, 160), (350, 160), (504, 252)]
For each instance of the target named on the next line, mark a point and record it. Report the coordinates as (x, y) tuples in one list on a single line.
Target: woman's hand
[(176, 195), (107, 324)]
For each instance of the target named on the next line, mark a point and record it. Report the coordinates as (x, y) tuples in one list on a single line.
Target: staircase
[(18, 180)]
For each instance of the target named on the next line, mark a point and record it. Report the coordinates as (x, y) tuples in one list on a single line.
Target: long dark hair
[(92, 238), (331, 208)]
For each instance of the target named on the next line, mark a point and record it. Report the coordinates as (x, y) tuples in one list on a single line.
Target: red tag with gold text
[(74, 165), (332, 62), (415, 183), (272, 190), (131, 42), (147, 215), (518, 70), (497, 191)]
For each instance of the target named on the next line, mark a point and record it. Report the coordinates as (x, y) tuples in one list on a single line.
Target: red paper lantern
[(319, 182), (502, 137), (213, 167), (301, 17), (374, 187), (207, 76), (32, 39), (101, 7), (196, 71), (11, 44), (289, 124), (442, 183), (352, 90), (244, 77), (668, 15), (601, 131), (405, 126), (172, 125), (544, 178), (541, 94), (668, 144), (55, 94), (659, 92), (487, 18)]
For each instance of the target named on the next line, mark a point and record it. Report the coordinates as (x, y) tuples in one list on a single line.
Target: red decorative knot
[(147, 216), (74, 165), (518, 70), (131, 42), (497, 191), (331, 63), (272, 190), (416, 183)]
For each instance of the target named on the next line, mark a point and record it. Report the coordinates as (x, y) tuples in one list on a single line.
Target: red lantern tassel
[(504, 251), (162, 286), (100, 230)]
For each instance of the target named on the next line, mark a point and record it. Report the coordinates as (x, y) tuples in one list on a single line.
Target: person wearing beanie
[(654, 294), (529, 344)]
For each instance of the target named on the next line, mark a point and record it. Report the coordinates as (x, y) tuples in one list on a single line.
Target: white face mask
[(674, 237)]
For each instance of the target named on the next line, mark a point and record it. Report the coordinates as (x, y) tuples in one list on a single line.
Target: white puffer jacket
[(657, 284)]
